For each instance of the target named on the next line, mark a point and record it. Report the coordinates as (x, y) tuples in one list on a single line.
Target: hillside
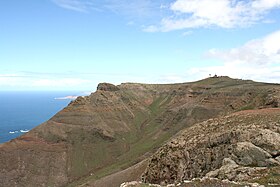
[(118, 126), (242, 147)]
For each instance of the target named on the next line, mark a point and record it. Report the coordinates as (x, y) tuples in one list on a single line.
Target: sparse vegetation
[(118, 126)]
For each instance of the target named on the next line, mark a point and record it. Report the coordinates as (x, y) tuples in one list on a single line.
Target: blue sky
[(75, 44)]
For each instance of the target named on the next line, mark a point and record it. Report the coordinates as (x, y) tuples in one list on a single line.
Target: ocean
[(24, 110)]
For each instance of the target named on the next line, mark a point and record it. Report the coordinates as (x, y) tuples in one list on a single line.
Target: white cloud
[(63, 82), (256, 52), (135, 8), (257, 73), (182, 14), (220, 13), (150, 28), (171, 79), (10, 80), (29, 81), (187, 33), (8, 75), (265, 4), (258, 59), (76, 5)]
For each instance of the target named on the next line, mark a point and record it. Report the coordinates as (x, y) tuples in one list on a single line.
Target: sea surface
[(24, 110)]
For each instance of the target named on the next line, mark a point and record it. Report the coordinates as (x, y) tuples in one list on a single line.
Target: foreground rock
[(244, 146), (204, 182)]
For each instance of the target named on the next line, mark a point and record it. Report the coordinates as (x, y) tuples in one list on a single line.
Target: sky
[(76, 44)]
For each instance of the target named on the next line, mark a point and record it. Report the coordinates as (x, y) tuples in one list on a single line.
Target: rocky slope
[(118, 126), (243, 146)]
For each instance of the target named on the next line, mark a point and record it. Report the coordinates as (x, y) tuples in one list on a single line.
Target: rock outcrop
[(238, 147), (107, 87), (273, 98)]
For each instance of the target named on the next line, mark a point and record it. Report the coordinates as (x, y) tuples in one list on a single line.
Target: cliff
[(118, 126)]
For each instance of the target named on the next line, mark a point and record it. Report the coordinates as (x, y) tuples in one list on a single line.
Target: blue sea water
[(22, 111)]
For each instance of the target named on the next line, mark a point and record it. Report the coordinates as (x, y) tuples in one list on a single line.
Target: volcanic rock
[(107, 87), (96, 137), (222, 148)]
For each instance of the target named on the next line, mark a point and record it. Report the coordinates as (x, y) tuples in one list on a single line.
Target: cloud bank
[(256, 52), (182, 14), (29, 81), (187, 14), (258, 59)]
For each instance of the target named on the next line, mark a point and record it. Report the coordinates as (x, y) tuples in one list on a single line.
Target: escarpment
[(116, 127)]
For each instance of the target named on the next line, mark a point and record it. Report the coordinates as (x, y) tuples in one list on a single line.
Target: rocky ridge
[(240, 147), (118, 126)]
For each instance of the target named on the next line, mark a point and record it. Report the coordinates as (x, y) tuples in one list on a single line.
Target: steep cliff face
[(239, 147), (117, 126)]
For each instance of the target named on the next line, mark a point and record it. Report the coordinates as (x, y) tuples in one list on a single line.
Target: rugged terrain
[(102, 137), (242, 147)]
